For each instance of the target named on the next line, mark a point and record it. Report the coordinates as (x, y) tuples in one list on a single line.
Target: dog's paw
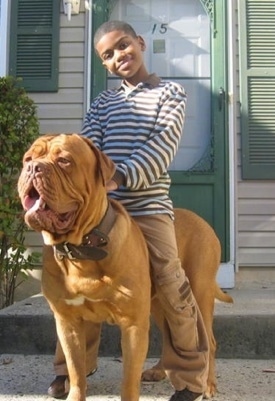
[(153, 375), (210, 391)]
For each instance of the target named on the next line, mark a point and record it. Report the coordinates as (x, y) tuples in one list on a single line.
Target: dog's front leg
[(134, 344), (71, 335)]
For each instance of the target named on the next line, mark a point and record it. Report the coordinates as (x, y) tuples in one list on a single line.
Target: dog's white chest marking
[(77, 301)]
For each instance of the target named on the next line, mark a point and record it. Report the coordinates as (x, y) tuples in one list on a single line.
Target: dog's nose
[(34, 167)]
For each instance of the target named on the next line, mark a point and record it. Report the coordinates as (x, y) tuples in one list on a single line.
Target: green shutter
[(99, 16), (257, 55), (34, 43)]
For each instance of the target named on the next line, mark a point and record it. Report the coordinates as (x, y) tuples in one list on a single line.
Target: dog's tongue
[(34, 204)]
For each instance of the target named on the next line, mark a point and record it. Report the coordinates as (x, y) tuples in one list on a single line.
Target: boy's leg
[(185, 343)]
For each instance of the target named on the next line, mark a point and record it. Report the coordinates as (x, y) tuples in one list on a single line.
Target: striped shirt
[(140, 131)]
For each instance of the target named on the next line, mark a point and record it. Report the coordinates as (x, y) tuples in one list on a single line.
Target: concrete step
[(244, 329)]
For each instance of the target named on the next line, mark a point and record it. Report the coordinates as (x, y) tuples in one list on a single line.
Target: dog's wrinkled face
[(61, 176)]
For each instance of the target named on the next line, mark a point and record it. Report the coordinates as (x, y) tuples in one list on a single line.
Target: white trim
[(88, 57), (225, 276), (4, 37), (232, 130), (226, 272)]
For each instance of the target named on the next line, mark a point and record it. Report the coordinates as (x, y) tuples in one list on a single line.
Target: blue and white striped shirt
[(140, 131)]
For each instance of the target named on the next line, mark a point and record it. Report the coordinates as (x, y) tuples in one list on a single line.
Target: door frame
[(226, 273)]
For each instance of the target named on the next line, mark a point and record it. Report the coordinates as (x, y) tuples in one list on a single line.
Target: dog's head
[(62, 186)]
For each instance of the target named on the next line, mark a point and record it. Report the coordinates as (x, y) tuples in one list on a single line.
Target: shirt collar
[(151, 82)]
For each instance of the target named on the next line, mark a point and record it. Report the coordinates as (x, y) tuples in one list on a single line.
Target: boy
[(139, 126)]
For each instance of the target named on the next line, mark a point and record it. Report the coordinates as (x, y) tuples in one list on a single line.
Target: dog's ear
[(106, 166)]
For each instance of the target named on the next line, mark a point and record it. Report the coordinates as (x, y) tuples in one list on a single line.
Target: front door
[(186, 43)]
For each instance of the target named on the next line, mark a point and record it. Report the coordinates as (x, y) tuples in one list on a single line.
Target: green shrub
[(18, 129)]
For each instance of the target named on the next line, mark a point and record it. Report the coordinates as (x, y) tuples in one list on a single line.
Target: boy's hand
[(111, 186)]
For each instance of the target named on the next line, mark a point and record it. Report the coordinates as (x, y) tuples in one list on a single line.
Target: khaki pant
[(185, 343)]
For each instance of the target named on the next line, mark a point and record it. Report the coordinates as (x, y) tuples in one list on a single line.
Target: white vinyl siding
[(256, 222)]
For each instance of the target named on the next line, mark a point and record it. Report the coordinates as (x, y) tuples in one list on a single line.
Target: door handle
[(221, 98)]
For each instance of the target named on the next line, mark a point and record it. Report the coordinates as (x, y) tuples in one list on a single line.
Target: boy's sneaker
[(59, 388), (186, 395)]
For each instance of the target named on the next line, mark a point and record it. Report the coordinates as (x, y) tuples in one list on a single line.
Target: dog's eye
[(63, 162), (27, 159)]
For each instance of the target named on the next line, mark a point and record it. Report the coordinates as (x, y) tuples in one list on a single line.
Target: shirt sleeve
[(91, 127), (153, 158)]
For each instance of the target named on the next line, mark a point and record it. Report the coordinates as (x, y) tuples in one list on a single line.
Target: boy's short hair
[(111, 26)]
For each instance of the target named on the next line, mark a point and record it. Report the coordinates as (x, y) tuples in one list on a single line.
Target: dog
[(96, 264)]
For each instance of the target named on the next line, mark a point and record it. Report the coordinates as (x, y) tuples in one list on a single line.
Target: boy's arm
[(152, 159), (91, 127)]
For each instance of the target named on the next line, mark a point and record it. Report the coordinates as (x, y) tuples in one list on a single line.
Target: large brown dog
[(96, 266)]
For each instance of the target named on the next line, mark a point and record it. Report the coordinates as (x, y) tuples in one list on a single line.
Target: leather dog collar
[(92, 243)]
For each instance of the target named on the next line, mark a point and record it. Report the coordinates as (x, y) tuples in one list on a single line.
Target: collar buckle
[(91, 245)]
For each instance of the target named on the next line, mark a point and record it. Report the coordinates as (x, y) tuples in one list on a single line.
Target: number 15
[(162, 28)]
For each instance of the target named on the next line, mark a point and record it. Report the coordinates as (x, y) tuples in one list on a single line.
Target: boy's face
[(122, 54)]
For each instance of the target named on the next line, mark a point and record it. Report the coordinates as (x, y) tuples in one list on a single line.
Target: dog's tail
[(222, 296)]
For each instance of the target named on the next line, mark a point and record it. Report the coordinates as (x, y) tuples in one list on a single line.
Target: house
[(222, 52)]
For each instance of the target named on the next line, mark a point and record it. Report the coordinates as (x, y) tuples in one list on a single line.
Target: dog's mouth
[(33, 201), (41, 215)]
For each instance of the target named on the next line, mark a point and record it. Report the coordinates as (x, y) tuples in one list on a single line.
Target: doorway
[(186, 43)]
